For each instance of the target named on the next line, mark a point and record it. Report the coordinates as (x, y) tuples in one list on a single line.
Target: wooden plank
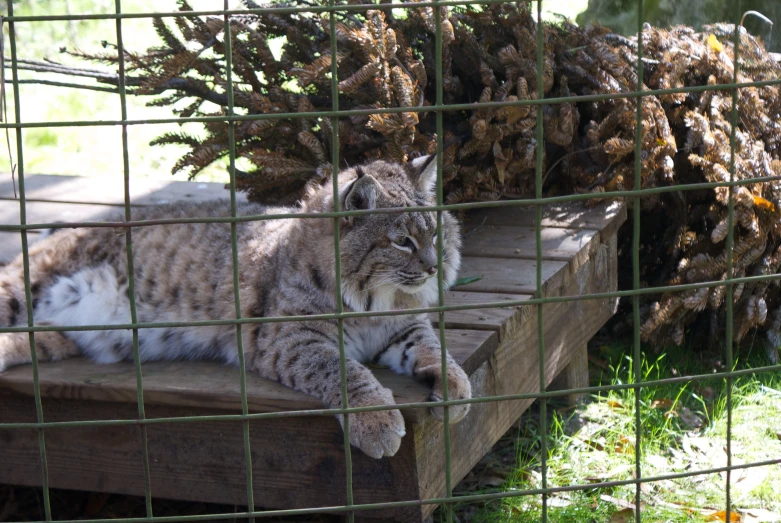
[(212, 385), (574, 376), (493, 241), (470, 348), (297, 462), (605, 216), (75, 198), (510, 276), (495, 319), (52, 212), (109, 190), (202, 461)]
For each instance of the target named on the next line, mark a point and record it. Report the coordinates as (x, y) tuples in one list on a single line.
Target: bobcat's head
[(389, 260)]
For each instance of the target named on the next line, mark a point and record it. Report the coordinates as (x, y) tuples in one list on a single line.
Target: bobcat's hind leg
[(50, 346)]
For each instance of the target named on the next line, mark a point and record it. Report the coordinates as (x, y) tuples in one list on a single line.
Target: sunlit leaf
[(714, 43), (721, 515), (624, 445), (467, 280), (764, 204)]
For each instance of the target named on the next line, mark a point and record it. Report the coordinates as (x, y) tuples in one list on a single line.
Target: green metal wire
[(635, 195), (405, 312), (729, 251), (440, 272), (540, 152), (614, 195), (235, 259), (26, 263), (431, 501), (54, 83), (348, 459), (130, 269), (426, 404), (636, 259), (391, 110)]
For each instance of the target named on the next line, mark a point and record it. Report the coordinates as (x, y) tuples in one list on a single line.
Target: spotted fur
[(184, 272)]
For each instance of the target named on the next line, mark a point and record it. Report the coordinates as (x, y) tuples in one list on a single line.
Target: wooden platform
[(298, 462)]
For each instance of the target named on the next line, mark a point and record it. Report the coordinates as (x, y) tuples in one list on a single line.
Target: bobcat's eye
[(406, 244)]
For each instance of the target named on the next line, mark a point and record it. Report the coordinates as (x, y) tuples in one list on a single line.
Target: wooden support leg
[(574, 376)]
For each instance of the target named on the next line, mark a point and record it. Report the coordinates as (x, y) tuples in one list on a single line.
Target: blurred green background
[(89, 151), (621, 15)]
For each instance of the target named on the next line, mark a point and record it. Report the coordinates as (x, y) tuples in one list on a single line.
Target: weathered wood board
[(298, 462), (52, 199), (212, 385), (109, 190)]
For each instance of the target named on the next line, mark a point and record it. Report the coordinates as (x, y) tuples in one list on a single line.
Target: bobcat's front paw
[(458, 388), (376, 433)]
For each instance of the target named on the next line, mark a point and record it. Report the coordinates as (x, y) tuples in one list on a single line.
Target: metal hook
[(761, 17)]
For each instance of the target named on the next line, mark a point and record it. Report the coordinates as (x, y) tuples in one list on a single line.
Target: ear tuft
[(422, 172)]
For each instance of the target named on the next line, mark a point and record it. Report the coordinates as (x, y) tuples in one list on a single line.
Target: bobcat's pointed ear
[(422, 171), (361, 194)]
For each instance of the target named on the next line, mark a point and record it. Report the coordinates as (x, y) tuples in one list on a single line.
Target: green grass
[(89, 151), (683, 428)]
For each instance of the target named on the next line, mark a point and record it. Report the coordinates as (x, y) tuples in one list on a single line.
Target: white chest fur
[(364, 338)]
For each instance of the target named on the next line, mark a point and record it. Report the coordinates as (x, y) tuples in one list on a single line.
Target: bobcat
[(184, 272)]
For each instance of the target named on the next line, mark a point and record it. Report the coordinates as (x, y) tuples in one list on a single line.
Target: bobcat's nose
[(432, 270)]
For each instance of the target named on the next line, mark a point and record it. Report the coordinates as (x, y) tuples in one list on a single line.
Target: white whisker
[(384, 281), (393, 289), (373, 273)]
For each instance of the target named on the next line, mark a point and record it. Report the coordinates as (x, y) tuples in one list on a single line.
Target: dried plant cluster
[(386, 59)]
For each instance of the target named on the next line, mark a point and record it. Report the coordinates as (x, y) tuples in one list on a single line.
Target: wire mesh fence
[(351, 509)]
